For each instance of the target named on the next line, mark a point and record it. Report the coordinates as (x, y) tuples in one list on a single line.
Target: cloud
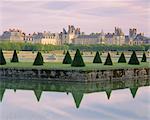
[(91, 16)]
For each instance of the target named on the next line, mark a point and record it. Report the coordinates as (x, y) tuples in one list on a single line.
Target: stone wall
[(74, 75)]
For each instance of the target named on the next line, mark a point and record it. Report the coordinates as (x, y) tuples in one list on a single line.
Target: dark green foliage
[(108, 92), (108, 60), (67, 58), (15, 57), (117, 53), (133, 91), (133, 59), (78, 60), (101, 52), (64, 52), (122, 58), (97, 58), (78, 96), (39, 59), (2, 59), (144, 59), (96, 47), (38, 94)]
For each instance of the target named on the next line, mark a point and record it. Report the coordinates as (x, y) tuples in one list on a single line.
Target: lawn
[(60, 66)]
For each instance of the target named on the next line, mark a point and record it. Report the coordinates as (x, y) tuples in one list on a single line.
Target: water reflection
[(77, 90)]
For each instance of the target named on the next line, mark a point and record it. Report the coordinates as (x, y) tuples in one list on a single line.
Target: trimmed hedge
[(122, 58), (67, 59), (144, 59), (15, 57), (97, 58), (133, 59), (108, 60), (2, 58), (78, 60), (39, 59)]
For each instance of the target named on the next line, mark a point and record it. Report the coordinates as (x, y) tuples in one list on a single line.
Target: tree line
[(96, 47)]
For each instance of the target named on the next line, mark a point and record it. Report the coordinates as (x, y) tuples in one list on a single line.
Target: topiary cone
[(39, 59), (97, 58), (78, 60), (144, 59), (67, 59), (133, 59), (2, 58), (122, 58), (15, 57), (108, 60)]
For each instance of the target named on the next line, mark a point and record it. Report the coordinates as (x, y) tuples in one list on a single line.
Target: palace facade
[(75, 36)]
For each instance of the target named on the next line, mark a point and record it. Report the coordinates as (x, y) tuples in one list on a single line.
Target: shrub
[(144, 59), (108, 60), (2, 59), (39, 59), (64, 52), (67, 59), (97, 58), (122, 58), (78, 60), (133, 59), (117, 53), (15, 57)]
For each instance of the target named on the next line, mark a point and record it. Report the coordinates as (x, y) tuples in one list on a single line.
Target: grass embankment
[(60, 66)]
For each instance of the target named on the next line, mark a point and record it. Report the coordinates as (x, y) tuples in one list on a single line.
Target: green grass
[(60, 66)]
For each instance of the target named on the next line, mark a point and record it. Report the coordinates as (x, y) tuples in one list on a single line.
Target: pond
[(49, 100)]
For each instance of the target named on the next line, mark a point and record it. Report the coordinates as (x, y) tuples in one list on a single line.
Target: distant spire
[(64, 31)]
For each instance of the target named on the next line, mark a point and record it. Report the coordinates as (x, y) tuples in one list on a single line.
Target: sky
[(22, 105), (90, 15)]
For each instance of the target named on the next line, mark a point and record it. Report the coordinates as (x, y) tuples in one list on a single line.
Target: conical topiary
[(133, 59), (144, 59), (78, 60), (117, 53), (108, 60), (122, 58), (97, 58), (15, 57), (67, 59), (2, 59), (39, 59)]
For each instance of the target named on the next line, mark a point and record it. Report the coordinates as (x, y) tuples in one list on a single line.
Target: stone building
[(94, 38), (75, 36), (136, 39), (13, 35)]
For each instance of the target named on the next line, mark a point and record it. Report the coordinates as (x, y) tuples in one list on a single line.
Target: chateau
[(75, 36)]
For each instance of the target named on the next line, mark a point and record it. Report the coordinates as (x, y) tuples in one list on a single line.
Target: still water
[(21, 100)]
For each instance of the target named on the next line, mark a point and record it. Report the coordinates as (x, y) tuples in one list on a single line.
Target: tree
[(78, 60), (15, 57), (39, 59), (144, 59), (122, 58), (108, 60), (133, 59), (97, 58), (2, 58), (67, 59)]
